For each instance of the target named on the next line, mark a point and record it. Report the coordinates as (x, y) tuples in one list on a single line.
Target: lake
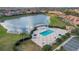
[(26, 22)]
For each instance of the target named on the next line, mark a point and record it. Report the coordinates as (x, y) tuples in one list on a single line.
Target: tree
[(69, 12), (58, 41), (47, 48), (67, 35), (75, 31), (64, 37)]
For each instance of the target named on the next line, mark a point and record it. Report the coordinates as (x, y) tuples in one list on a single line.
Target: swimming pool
[(47, 32)]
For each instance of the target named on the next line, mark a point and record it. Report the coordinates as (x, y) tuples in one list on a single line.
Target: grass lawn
[(7, 40), (56, 21), (29, 46)]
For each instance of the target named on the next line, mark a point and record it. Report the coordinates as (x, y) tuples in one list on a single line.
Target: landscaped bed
[(61, 40)]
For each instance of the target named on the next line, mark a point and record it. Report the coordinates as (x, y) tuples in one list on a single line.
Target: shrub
[(67, 35), (58, 41), (47, 48)]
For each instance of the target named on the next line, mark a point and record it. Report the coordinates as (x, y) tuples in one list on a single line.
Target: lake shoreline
[(3, 18)]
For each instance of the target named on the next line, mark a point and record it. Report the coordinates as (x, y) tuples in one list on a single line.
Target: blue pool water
[(47, 32)]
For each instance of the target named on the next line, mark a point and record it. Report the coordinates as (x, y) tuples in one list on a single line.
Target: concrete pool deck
[(48, 39)]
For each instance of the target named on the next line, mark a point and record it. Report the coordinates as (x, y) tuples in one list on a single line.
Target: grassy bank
[(56, 21), (7, 40)]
